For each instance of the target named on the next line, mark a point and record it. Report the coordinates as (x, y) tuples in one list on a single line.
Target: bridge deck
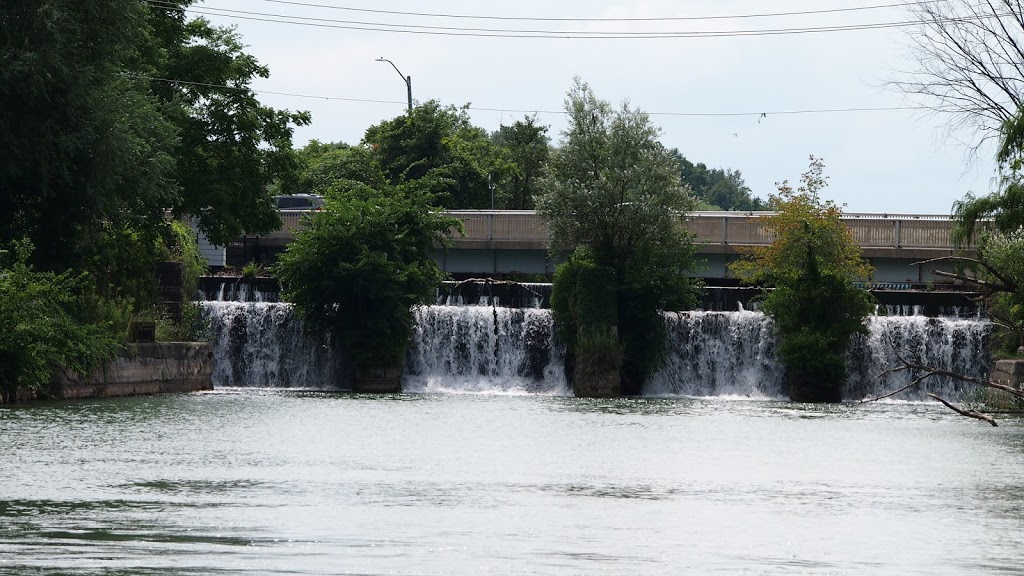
[(717, 232)]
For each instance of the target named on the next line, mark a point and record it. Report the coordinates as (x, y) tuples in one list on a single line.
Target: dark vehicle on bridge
[(299, 202)]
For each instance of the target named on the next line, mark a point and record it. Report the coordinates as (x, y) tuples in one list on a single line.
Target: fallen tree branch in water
[(930, 372), (968, 413)]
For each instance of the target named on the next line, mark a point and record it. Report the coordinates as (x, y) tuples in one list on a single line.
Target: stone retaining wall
[(144, 369), (1008, 372)]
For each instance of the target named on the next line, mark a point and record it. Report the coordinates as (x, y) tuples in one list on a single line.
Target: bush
[(361, 264), (583, 299), (48, 321), (183, 246), (597, 353)]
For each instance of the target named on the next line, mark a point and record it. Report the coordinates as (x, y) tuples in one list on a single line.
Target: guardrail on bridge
[(722, 228)]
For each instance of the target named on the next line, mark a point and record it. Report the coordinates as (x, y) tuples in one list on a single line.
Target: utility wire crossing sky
[(753, 85)]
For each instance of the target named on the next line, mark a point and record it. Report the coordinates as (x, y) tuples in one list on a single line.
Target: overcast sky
[(878, 161)]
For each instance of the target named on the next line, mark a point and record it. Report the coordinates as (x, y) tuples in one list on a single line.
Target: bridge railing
[(727, 228)]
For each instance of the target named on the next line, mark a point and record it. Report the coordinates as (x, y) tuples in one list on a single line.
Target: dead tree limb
[(1007, 286), (968, 413), (930, 372)]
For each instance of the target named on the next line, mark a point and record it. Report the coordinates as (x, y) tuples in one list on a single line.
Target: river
[(248, 481)]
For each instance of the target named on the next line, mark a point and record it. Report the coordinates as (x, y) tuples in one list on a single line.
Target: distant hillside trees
[(717, 188)]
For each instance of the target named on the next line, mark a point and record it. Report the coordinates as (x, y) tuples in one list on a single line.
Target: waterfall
[(954, 344), (454, 349), (487, 348), (258, 344), (733, 353), (484, 349), (719, 354), (214, 289), (494, 293)]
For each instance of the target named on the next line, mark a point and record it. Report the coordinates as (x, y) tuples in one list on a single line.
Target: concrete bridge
[(504, 242)]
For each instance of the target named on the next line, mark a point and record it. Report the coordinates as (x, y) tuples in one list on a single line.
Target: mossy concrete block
[(144, 369), (379, 380), (1008, 372), (601, 385)]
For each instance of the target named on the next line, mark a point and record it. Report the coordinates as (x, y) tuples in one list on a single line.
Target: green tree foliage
[(110, 113), (91, 147), (230, 147), (812, 266), (361, 264), (613, 187), (803, 221), (46, 321), (527, 146), (717, 188), (322, 166), (584, 298), (816, 314), (440, 149), (82, 152), (584, 301), (994, 224)]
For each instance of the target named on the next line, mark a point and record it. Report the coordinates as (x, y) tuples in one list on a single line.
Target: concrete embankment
[(141, 370), (1008, 372)]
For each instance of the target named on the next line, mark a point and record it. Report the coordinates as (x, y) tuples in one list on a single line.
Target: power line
[(535, 111), (246, 88), (509, 33), (556, 19)]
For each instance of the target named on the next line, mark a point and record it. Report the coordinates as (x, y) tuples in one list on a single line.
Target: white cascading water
[(733, 354), (953, 344), (240, 292), (454, 348), (719, 354), (261, 344), (484, 349)]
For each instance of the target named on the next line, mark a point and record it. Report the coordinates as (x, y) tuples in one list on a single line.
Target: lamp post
[(406, 79)]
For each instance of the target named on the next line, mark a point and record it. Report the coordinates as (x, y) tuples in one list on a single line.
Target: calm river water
[(250, 482)]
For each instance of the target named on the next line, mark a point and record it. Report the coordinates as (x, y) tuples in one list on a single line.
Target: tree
[(437, 147), (322, 166), (230, 147), (994, 226), (613, 187), (717, 188), (970, 56), (970, 63), (527, 147), (361, 264), (81, 150), (111, 112), (811, 265)]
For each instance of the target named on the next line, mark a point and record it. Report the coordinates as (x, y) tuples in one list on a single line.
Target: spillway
[(484, 348)]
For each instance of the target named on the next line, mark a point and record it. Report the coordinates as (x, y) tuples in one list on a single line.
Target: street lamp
[(406, 79)]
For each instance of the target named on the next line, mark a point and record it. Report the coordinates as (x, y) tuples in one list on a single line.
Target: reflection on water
[(307, 482)]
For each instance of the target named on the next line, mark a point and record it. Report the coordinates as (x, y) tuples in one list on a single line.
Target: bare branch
[(914, 384), (968, 413), (929, 372), (983, 283), (1009, 286), (970, 62)]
